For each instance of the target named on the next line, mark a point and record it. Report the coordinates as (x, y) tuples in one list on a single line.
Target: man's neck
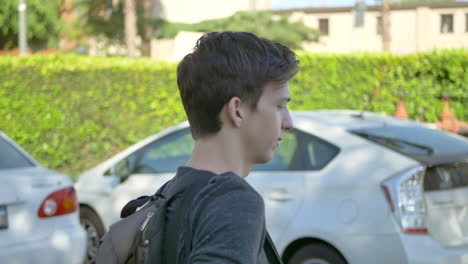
[(219, 155)]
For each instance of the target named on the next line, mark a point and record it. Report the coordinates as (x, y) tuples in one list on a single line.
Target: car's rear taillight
[(405, 194), (61, 202)]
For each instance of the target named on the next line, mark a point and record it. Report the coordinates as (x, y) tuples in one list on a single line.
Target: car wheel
[(94, 231), (316, 254)]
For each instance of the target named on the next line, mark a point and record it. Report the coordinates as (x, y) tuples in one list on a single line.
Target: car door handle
[(279, 194)]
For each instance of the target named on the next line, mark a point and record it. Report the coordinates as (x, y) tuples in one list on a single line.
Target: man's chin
[(264, 159)]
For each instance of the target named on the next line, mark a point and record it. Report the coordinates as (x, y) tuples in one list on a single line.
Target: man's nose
[(287, 123)]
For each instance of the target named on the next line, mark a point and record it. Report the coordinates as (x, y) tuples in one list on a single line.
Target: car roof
[(342, 119), (350, 119)]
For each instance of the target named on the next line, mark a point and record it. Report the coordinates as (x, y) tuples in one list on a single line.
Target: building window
[(323, 26), (379, 25), (446, 23)]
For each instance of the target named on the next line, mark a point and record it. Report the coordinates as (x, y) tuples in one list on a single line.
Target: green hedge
[(72, 112), (373, 82)]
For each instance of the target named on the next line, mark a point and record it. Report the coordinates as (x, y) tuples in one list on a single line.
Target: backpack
[(122, 242), (138, 237)]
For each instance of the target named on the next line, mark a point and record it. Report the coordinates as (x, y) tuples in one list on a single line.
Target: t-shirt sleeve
[(227, 223)]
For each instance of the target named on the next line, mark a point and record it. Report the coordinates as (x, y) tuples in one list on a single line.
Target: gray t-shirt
[(227, 220)]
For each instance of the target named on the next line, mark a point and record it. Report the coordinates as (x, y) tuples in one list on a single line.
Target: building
[(414, 27), (190, 11)]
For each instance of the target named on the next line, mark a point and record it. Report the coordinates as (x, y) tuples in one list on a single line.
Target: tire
[(94, 231), (316, 254)]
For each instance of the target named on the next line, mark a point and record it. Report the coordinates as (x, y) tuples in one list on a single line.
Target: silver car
[(343, 187), (39, 220)]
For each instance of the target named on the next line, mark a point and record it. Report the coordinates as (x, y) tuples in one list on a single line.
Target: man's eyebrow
[(285, 98)]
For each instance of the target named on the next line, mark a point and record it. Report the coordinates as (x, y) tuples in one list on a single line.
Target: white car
[(343, 187), (39, 219)]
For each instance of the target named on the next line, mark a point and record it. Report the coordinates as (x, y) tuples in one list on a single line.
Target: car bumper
[(400, 248), (64, 246), (372, 249), (423, 249)]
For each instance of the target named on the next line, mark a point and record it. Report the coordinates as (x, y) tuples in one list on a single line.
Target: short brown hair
[(228, 64)]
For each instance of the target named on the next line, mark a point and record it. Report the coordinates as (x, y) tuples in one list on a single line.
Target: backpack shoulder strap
[(270, 250), (131, 207)]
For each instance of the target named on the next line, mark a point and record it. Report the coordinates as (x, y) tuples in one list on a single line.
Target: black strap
[(270, 250), (131, 206)]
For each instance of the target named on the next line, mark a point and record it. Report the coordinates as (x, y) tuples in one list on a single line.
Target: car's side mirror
[(121, 169)]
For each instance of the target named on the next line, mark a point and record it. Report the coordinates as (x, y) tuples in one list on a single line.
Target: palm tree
[(130, 27)]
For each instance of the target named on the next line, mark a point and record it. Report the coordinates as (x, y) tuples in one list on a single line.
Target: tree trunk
[(130, 28), (385, 25), (148, 6), (67, 15)]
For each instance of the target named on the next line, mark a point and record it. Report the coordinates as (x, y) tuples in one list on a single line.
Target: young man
[(234, 88)]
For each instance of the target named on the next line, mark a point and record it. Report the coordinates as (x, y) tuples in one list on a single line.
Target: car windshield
[(11, 158), (415, 140)]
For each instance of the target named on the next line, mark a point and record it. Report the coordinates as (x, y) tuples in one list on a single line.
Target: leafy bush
[(72, 112), (263, 23), (373, 82)]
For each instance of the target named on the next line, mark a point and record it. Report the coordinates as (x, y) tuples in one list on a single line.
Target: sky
[(285, 4)]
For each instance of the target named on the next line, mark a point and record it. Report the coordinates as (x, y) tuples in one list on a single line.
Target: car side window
[(319, 152), (166, 154), (286, 156), (11, 158)]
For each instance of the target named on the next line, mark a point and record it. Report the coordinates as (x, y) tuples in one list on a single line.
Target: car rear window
[(415, 140), (11, 158)]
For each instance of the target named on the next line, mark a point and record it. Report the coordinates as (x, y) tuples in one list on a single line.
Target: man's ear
[(234, 111)]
